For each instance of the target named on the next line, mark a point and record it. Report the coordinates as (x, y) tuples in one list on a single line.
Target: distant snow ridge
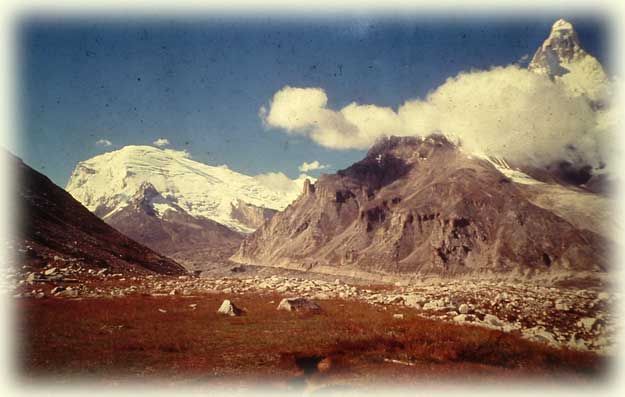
[(106, 184)]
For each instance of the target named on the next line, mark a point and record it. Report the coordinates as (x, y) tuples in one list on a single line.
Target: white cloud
[(303, 111), (104, 142), (524, 59), (262, 114), (178, 153), (160, 142), (508, 112), (280, 182), (312, 166), (505, 111)]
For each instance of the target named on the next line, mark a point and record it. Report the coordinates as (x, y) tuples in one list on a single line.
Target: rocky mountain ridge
[(422, 206), (54, 225), (173, 232), (179, 207)]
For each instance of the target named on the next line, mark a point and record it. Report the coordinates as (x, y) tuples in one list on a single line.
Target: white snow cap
[(561, 24), (107, 183)]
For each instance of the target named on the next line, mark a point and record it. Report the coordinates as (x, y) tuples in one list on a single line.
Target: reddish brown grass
[(129, 337)]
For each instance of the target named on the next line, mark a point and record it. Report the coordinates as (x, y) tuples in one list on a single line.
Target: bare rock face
[(172, 231), (251, 215), (55, 223), (309, 188), (417, 205)]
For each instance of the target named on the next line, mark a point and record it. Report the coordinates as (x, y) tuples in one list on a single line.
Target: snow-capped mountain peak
[(107, 183), (562, 46), (562, 59), (561, 25)]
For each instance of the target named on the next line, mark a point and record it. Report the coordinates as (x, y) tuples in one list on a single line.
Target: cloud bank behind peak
[(505, 112)]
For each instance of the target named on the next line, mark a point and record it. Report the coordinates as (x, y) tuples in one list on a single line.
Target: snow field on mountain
[(105, 184)]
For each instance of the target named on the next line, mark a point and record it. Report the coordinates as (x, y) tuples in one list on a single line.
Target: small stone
[(396, 299), (493, 320), (587, 322), (56, 290), (463, 317), (433, 305), (413, 301), (500, 298), (69, 292), (577, 343), (540, 334), (49, 272), (561, 305), (463, 309), (282, 289)]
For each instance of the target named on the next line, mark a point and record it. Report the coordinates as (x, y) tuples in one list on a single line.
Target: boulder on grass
[(228, 308), (300, 305)]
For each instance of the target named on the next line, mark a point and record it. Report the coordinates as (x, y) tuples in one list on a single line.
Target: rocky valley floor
[(76, 322)]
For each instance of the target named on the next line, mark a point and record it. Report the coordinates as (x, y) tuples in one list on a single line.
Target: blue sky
[(200, 83)]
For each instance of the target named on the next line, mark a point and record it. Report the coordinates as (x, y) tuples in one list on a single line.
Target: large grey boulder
[(301, 305), (229, 309)]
